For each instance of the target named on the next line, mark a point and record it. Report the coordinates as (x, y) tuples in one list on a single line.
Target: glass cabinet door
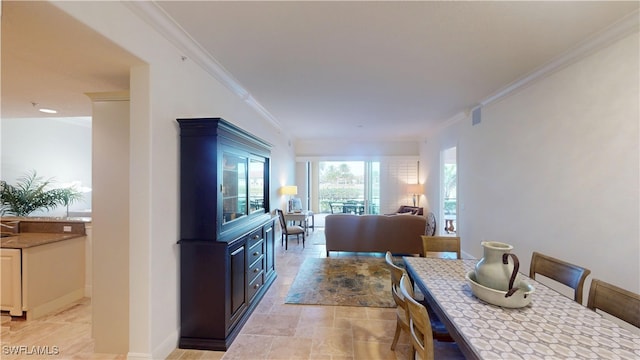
[(234, 186), (256, 185)]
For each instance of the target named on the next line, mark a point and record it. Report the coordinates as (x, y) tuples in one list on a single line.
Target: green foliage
[(450, 206), (338, 184), (450, 180), (30, 194)]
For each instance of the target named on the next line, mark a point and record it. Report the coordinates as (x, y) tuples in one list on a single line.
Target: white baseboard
[(55, 304), (162, 351), (139, 356), (167, 346)]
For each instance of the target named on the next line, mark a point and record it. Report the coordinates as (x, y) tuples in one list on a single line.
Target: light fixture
[(289, 190), (44, 110), (416, 190)]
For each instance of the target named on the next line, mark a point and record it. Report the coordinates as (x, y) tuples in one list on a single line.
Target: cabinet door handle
[(256, 270), (256, 253), (256, 237), (256, 286)]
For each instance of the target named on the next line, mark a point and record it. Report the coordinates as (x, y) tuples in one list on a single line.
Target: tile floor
[(274, 331), (62, 335)]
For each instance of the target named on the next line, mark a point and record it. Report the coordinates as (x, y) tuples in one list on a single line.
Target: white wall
[(341, 149), (56, 148), (166, 89), (554, 167)]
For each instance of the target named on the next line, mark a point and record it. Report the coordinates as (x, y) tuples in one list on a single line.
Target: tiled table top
[(553, 326)]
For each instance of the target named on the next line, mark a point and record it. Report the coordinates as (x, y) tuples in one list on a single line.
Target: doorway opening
[(448, 193)]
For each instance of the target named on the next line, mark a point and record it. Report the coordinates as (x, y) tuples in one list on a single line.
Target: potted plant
[(32, 193)]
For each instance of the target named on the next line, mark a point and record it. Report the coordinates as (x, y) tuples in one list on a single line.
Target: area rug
[(342, 282)]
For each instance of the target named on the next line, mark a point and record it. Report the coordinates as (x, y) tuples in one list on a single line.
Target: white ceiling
[(51, 59), (375, 70)]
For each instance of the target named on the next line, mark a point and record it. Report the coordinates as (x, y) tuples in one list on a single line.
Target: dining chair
[(439, 332), (566, 273), (419, 324), (288, 230), (615, 301), (402, 316), (336, 208), (439, 246)]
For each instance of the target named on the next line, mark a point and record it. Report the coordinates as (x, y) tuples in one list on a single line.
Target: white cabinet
[(42, 279), (52, 276), (11, 292)]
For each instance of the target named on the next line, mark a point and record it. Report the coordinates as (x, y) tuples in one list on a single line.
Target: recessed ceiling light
[(44, 110)]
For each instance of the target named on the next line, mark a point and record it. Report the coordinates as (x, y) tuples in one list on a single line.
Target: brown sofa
[(399, 234)]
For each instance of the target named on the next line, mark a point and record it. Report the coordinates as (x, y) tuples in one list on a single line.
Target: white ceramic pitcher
[(494, 270)]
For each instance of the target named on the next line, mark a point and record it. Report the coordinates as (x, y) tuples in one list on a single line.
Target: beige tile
[(343, 323), (381, 313), (248, 346), (199, 354), (365, 350), (305, 330), (322, 331), (334, 344), (284, 348), (175, 354), (351, 312), (329, 357), (34, 333), (97, 356), (270, 324), (286, 309), (314, 312), (374, 330)]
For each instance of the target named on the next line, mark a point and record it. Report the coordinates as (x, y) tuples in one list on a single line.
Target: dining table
[(551, 326)]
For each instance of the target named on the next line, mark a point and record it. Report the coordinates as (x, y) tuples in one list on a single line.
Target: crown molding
[(109, 96), (157, 18), (616, 31)]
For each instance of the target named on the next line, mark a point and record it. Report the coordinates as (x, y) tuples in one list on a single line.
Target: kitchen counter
[(43, 264), (27, 240), (45, 218), (26, 232)]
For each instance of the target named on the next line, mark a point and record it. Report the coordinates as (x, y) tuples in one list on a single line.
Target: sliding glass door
[(349, 187)]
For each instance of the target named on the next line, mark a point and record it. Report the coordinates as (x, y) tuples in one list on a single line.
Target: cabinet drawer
[(255, 285), (256, 251), (255, 269), (255, 237)]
